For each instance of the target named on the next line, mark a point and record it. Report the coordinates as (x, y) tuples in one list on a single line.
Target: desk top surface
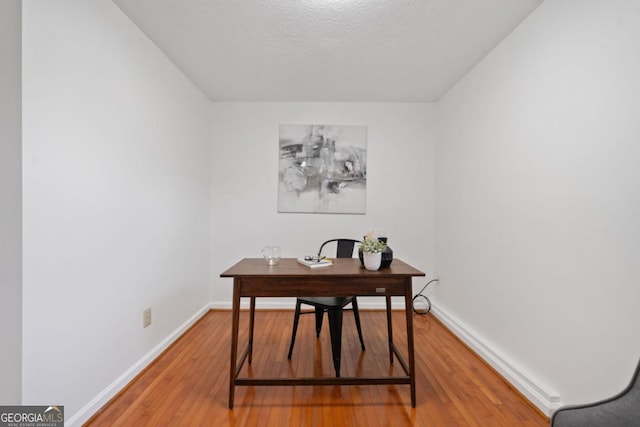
[(290, 267)]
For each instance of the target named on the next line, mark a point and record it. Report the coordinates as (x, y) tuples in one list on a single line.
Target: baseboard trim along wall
[(521, 380), (115, 387)]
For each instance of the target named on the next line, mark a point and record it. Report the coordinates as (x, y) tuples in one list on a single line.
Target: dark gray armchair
[(621, 410)]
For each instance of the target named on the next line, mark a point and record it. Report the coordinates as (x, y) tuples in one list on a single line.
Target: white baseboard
[(524, 382), (112, 389)]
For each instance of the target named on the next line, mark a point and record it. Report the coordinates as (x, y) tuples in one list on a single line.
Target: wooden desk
[(252, 278)]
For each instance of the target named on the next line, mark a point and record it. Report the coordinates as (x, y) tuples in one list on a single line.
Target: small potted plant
[(371, 248)]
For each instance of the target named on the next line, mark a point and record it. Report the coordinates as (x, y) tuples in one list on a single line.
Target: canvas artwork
[(323, 169)]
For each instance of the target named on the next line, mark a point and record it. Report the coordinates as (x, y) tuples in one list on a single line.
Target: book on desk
[(315, 263)]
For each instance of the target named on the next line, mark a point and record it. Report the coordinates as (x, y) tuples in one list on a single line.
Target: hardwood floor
[(188, 384)]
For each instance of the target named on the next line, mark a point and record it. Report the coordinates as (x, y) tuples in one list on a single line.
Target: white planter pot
[(372, 261)]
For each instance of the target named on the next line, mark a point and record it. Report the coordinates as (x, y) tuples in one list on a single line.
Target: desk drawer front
[(316, 286)]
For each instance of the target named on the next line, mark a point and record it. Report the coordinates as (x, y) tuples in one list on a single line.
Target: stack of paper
[(314, 263)]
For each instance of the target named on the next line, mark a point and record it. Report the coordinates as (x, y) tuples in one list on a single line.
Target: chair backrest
[(344, 247), (635, 381)]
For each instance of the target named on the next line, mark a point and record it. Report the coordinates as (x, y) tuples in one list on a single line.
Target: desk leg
[(408, 308), (389, 329), (235, 320), (252, 315)]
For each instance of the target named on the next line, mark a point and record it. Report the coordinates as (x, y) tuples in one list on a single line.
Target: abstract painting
[(323, 169)]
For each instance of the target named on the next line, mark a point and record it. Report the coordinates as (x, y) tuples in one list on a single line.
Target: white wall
[(244, 184), (536, 201), (115, 170), (538, 206), (10, 204)]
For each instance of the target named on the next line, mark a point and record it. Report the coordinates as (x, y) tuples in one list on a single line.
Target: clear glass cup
[(271, 254)]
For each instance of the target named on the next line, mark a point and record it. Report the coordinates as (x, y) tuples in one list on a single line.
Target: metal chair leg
[(296, 317), (356, 315), (319, 316), (335, 327)]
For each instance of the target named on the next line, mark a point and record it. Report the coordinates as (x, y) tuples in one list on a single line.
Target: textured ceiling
[(326, 50)]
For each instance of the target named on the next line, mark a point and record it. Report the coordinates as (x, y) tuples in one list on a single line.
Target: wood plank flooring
[(188, 384)]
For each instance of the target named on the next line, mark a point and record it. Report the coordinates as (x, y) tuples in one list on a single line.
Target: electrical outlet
[(146, 317)]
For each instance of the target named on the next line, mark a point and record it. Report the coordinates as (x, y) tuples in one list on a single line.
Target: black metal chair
[(334, 306), (621, 410)]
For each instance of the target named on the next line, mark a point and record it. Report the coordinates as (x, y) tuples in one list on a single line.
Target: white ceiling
[(326, 50)]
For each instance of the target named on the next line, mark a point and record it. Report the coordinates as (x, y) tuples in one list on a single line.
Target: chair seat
[(621, 410), (326, 302)]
